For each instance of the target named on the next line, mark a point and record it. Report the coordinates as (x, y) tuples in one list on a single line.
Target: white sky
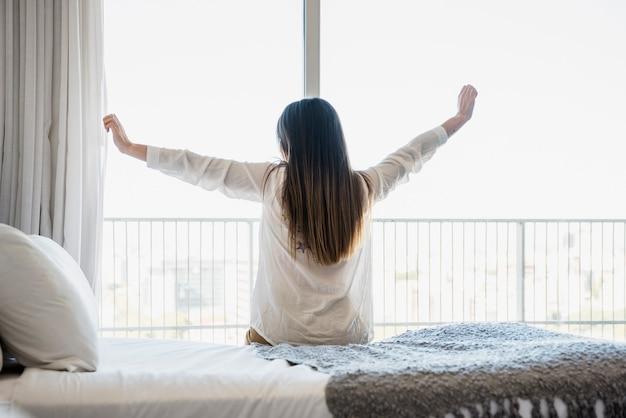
[(548, 138)]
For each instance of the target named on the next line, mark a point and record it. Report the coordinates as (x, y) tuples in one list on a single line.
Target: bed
[(455, 370), (161, 378)]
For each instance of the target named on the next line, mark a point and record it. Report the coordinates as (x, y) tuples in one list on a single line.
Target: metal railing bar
[(126, 264), (417, 271), (580, 274), (163, 272), (558, 269), (114, 276), (556, 321), (590, 272), (406, 270), (593, 295), (395, 281), (176, 293), (175, 327), (497, 267), (602, 269), (613, 274), (251, 264), (474, 295), (430, 274), (384, 275), (506, 283), (224, 277), (376, 324), (452, 266), (463, 271), (546, 322), (498, 220), (151, 278), (237, 276), (391, 220), (139, 272), (201, 278), (178, 219), (486, 276), (545, 277), (440, 271), (187, 291), (569, 279), (213, 280), (534, 270)]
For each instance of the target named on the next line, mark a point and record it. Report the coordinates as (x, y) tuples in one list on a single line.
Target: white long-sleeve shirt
[(297, 300)]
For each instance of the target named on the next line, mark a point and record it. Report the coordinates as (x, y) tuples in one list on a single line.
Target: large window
[(211, 76), (548, 138), (547, 141)]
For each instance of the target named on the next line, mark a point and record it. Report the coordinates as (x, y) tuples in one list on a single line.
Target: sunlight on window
[(212, 77), (546, 139)]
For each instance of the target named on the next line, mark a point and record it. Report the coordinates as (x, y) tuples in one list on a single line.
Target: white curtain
[(51, 142)]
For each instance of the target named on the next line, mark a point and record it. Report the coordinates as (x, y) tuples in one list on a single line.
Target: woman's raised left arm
[(236, 179), (112, 124)]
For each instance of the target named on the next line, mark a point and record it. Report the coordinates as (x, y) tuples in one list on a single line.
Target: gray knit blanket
[(470, 370)]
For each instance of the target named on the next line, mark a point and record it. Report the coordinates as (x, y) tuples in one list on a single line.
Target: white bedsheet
[(157, 378), (7, 382)]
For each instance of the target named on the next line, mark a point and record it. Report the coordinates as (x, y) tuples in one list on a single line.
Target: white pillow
[(48, 316)]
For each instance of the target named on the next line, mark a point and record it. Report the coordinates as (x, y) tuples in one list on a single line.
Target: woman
[(314, 278)]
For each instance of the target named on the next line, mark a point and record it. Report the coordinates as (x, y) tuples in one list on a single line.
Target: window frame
[(311, 48)]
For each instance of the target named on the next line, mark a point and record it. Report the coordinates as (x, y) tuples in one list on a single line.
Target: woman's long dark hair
[(323, 199)]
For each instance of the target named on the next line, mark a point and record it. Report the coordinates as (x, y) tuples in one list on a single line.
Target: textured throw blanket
[(470, 370)]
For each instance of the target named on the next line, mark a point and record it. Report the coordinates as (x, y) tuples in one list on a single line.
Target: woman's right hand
[(467, 97), (112, 123)]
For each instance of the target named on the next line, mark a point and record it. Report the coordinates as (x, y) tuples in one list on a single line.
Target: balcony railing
[(193, 278)]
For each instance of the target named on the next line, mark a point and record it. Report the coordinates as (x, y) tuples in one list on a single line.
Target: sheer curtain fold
[(51, 141)]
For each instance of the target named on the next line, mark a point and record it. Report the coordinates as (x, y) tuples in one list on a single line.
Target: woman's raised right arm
[(396, 167)]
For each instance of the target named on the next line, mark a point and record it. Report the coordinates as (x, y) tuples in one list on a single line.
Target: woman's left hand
[(112, 123)]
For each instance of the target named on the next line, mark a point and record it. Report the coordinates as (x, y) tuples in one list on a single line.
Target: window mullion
[(311, 48)]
